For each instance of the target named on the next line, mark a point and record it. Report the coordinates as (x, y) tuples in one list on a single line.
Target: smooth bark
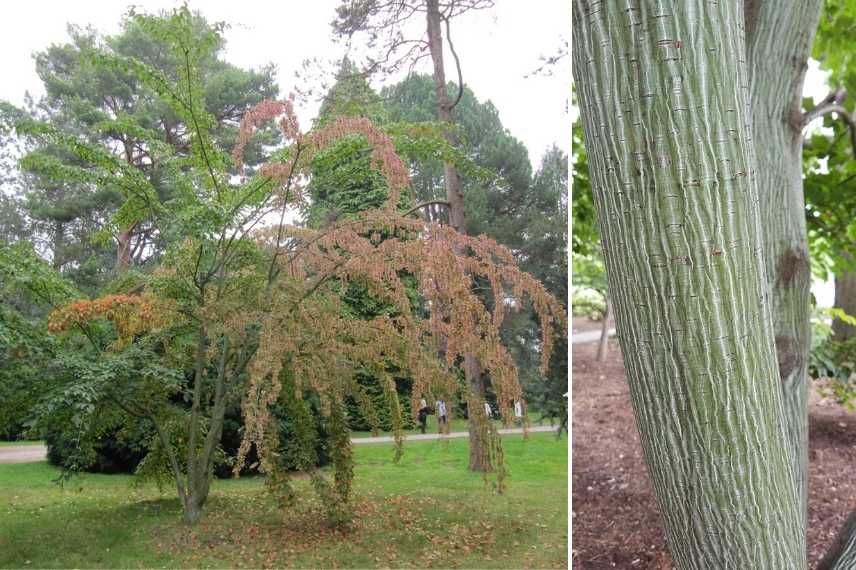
[(663, 93)]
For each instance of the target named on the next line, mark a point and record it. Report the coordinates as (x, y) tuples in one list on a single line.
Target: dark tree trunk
[(845, 299), (479, 459), (603, 346), (123, 250), (58, 238)]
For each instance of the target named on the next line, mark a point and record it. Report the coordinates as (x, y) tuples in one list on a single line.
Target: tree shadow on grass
[(93, 534)]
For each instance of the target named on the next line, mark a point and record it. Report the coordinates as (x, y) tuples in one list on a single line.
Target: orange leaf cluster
[(305, 329), (129, 314), (383, 156), (259, 114)]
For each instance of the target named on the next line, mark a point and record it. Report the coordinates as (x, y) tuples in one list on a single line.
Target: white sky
[(497, 48)]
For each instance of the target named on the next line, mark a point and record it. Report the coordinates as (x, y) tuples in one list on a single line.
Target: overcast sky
[(497, 48)]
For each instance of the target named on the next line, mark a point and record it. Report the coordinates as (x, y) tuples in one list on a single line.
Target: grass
[(19, 442), (427, 510)]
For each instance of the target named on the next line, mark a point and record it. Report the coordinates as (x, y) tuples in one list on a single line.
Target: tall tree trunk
[(603, 345), (479, 458), (444, 113), (779, 35), (663, 97), (123, 249), (58, 242), (845, 299)]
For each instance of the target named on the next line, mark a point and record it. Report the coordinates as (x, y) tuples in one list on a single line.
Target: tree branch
[(457, 66), (424, 204), (832, 104)]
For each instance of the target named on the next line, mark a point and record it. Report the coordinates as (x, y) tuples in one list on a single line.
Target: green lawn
[(19, 442), (428, 510)]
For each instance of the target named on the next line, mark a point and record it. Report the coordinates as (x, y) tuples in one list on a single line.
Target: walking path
[(454, 434), (23, 453), (588, 336), (28, 453)]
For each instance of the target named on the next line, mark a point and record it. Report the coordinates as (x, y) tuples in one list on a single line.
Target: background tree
[(110, 106), (523, 212), (383, 22), (829, 164)]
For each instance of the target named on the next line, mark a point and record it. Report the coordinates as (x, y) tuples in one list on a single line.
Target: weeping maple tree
[(247, 308), (693, 131)]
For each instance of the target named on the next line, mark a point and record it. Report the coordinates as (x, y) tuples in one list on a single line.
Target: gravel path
[(23, 453), (588, 336), (28, 453), (456, 434)]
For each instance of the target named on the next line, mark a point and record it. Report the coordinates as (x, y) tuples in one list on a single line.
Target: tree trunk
[(842, 554), (58, 239), (193, 505), (123, 249), (444, 113), (479, 459), (663, 96), (603, 346), (778, 43), (845, 299)]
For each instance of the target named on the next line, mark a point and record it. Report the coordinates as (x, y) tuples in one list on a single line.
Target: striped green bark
[(778, 42), (842, 554), (663, 96)]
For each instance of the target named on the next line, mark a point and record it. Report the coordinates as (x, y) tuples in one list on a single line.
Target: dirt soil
[(615, 521)]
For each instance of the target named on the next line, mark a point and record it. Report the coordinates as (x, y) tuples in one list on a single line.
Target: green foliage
[(588, 296), (344, 183), (351, 96), (586, 236), (107, 143), (504, 200), (29, 288), (828, 165), (831, 360)]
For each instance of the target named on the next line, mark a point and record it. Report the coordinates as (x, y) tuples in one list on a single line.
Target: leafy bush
[(587, 303), (124, 449), (834, 361)]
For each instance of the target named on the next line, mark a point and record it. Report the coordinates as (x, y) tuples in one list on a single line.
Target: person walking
[(518, 412), (423, 415)]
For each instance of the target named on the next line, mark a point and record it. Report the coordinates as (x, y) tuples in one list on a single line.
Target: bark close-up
[(666, 105)]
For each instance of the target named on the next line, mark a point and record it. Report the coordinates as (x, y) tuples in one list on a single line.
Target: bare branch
[(424, 204), (832, 105), (457, 66)]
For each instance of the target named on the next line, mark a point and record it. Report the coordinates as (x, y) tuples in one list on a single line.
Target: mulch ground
[(615, 520)]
